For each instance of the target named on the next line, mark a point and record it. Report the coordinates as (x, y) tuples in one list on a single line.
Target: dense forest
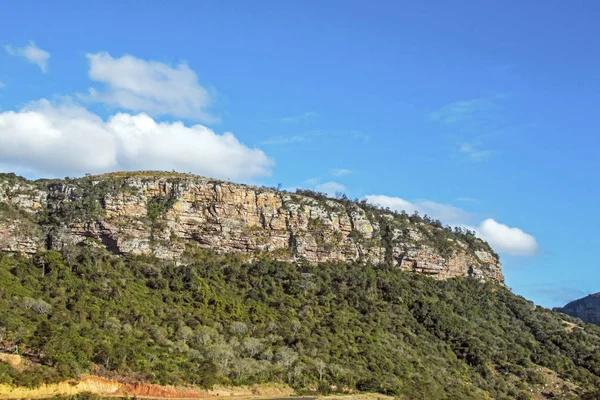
[(322, 328)]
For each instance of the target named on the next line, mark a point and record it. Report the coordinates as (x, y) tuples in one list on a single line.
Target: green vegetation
[(158, 206), (224, 319), (80, 200), (337, 325), (12, 178), (432, 231)]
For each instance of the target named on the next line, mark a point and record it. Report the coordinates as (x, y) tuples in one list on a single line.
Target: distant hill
[(587, 309)]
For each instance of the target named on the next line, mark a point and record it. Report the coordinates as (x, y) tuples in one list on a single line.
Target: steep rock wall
[(165, 214)]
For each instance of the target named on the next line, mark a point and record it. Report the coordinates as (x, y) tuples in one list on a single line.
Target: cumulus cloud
[(31, 53), (330, 188), (149, 86), (64, 139), (502, 238), (507, 239)]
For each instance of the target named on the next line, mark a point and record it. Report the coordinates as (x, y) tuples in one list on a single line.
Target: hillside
[(173, 279), (587, 309), (221, 319), (166, 214)]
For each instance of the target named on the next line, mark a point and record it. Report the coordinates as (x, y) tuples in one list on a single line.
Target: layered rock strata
[(165, 214)]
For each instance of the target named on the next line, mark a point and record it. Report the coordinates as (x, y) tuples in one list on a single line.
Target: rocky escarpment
[(167, 214), (587, 309)]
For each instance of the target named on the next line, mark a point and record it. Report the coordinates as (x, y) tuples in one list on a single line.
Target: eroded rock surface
[(164, 214)]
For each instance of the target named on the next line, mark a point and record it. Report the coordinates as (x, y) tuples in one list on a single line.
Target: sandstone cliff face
[(587, 309), (165, 214)]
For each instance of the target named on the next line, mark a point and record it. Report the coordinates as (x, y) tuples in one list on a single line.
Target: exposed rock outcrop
[(587, 309), (164, 214), (108, 387)]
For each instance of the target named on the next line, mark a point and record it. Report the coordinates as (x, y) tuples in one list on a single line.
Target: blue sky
[(480, 114)]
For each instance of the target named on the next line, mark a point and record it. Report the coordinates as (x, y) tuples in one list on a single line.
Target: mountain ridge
[(166, 214), (586, 308)]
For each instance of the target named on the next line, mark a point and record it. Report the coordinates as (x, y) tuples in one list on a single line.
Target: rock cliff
[(587, 309), (167, 214)]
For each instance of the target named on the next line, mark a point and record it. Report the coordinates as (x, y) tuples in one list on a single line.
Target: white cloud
[(341, 172), (1, 85), (446, 213), (506, 239), (330, 188), (66, 139), (149, 86), (501, 237), (31, 53)]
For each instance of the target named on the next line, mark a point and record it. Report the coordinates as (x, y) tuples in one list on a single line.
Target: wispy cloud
[(278, 140), (446, 213), (32, 54), (1, 85), (341, 172), (467, 110), (321, 135), (312, 181), (501, 237), (474, 153), (330, 188), (472, 121), (359, 135), (467, 199), (561, 294), (304, 117)]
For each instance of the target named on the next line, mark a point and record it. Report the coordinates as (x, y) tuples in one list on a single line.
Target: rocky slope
[(587, 309), (167, 214)]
